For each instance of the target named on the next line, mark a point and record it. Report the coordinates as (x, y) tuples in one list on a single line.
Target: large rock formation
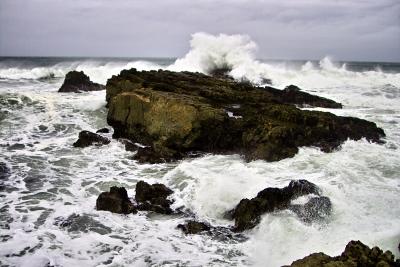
[(248, 212), (178, 113), (78, 81), (355, 254)]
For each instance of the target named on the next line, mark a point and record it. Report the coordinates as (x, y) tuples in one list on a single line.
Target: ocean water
[(47, 207)]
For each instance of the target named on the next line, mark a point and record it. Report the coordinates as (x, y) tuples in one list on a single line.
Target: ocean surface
[(47, 203)]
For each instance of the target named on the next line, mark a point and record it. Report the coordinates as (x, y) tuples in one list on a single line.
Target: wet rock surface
[(103, 130), (175, 114), (193, 227), (355, 254), (248, 212), (116, 201), (317, 208), (78, 81), (153, 197), (87, 138), (4, 170)]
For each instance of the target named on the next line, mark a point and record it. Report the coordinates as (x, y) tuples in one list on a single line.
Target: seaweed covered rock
[(176, 114), (248, 212), (116, 201), (78, 81), (153, 197), (87, 138), (355, 254)]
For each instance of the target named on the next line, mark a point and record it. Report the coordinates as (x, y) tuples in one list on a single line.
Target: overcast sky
[(283, 29)]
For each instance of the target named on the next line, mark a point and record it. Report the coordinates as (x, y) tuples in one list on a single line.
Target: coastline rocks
[(78, 81), (153, 197), (87, 138), (355, 254), (175, 114), (248, 212), (193, 227), (115, 201), (103, 130), (317, 208)]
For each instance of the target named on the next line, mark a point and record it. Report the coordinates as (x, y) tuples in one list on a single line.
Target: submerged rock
[(78, 81), (175, 114), (193, 227), (248, 212), (4, 171), (116, 201), (317, 208), (355, 254), (153, 197), (87, 138)]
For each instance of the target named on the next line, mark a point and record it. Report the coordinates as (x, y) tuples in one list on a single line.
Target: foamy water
[(47, 205)]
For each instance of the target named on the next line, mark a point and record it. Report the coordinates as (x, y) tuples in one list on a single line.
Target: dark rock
[(355, 254), (153, 197), (116, 201), (82, 223), (175, 114), (294, 95), (317, 208), (4, 171), (247, 213), (150, 155), (130, 146), (16, 147), (77, 81), (87, 138), (193, 227), (103, 130)]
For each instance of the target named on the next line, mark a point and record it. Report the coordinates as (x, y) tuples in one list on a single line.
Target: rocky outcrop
[(87, 138), (355, 254), (193, 227), (103, 130), (153, 197), (78, 81), (116, 201), (248, 212), (177, 113)]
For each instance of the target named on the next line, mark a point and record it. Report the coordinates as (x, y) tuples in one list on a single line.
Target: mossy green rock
[(176, 113)]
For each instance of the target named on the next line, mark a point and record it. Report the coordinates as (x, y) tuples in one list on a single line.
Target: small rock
[(87, 138), (4, 170), (193, 227), (103, 130), (78, 81), (153, 197), (116, 201), (16, 147), (247, 213), (129, 146)]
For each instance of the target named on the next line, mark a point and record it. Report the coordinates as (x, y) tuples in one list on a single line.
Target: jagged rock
[(193, 227), (175, 114), (294, 95), (4, 170), (103, 130), (78, 81), (248, 212), (87, 138), (116, 201), (355, 254), (153, 197), (316, 208)]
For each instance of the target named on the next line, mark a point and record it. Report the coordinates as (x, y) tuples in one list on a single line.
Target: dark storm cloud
[(357, 30)]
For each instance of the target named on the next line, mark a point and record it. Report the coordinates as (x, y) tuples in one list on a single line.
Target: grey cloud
[(352, 30)]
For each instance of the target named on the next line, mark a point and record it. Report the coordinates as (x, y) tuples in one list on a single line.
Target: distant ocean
[(47, 203)]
